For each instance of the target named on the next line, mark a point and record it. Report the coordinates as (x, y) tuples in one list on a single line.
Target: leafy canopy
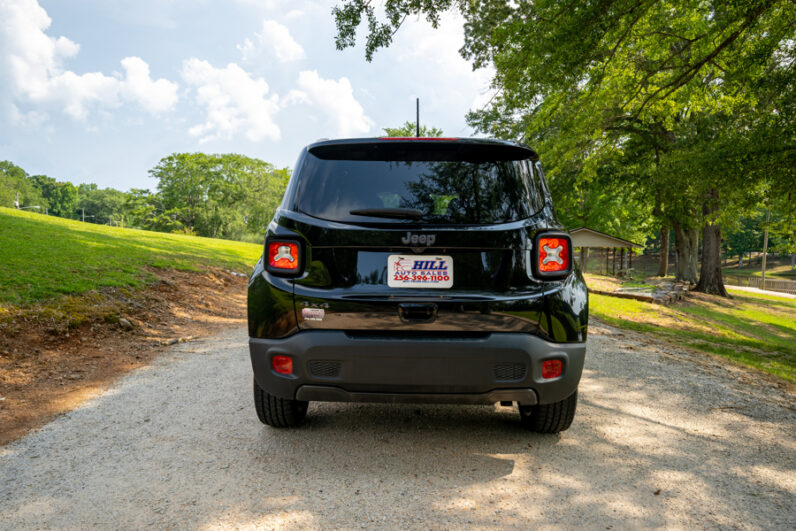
[(629, 102), (410, 129)]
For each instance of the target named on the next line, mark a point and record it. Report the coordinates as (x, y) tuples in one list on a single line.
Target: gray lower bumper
[(322, 393), (334, 366)]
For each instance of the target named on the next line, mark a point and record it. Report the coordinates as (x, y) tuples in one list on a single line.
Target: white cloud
[(418, 40), (274, 41), (438, 51), (234, 101), (264, 4), (154, 96), (26, 120), (335, 99), (32, 62)]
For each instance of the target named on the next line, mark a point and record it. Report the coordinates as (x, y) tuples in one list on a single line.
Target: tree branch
[(689, 74)]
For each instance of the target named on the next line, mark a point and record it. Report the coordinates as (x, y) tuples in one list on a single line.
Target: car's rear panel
[(496, 308), (345, 272), (350, 281)]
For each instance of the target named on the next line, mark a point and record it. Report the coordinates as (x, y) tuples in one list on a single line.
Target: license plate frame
[(420, 271)]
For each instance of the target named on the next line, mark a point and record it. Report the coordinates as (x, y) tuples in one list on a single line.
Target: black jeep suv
[(425, 270)]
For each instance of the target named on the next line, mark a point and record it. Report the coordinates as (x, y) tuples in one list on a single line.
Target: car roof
[(502, 148)]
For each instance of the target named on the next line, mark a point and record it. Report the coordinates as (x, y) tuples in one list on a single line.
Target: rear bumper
[(340, 367)]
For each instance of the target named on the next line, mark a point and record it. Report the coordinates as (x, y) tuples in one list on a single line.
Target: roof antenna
[(418, 118)]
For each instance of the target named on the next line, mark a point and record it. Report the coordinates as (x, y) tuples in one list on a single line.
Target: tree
[(782, 230), (409, 129), (182, 184), (15, 182), (104, 205), (60, 196), (745, 236), (609, 76), (146, 211), (220, 196)]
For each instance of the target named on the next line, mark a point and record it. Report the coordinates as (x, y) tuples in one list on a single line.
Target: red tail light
[(552, 369), (553, 255), (284, 256), (282, 364)]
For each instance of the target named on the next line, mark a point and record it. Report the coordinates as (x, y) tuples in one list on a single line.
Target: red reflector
[(282, 364), (283, 255), (553, 254), (552, 368)]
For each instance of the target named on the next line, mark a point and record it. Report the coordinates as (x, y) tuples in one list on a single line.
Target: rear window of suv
[(442, 184)]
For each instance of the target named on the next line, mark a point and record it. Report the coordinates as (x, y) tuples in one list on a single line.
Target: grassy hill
[(44, 257)]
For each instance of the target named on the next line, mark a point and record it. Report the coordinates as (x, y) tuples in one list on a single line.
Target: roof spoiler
[(422, 149)]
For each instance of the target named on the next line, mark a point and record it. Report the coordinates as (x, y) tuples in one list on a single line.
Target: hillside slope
[(81, 304), (42, 257)]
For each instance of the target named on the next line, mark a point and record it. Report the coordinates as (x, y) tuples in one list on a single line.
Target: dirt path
[(661, 439), (48, 367)]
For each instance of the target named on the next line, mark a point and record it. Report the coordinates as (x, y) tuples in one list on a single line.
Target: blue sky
[(98, 91)]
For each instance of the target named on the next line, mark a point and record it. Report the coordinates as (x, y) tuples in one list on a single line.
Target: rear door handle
[(417, 313)]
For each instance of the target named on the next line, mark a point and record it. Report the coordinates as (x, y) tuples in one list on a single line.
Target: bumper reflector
[(552, 369), (282, 364)]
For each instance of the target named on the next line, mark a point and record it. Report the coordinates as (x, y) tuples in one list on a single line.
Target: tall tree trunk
[(710, 279), (657, 211), (686, 242), (710, 276), (663, 265)]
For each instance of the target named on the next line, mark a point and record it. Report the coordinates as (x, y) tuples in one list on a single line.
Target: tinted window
[(475, 191)]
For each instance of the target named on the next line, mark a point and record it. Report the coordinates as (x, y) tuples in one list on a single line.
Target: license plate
[(413, 271)]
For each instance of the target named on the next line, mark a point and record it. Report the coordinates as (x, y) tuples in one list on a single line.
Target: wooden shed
[(585, 238)]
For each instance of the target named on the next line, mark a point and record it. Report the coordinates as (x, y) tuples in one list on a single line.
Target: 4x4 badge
[(427, 239)]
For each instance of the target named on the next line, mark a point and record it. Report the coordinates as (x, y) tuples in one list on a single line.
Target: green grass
[(774, 270), (634, 283), (45, 257), (755, 330)]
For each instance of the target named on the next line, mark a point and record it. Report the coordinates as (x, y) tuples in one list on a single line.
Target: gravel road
[(661, 439)]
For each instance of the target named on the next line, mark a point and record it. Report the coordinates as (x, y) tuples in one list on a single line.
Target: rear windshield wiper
[(396, 213)]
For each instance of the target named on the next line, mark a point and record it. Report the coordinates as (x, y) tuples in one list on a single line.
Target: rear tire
[(549, 418), (278, 412)]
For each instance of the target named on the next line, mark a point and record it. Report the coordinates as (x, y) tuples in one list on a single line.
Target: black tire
[(549, 418), (278, 412)]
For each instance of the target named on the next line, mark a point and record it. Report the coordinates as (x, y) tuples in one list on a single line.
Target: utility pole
[(765, 248), (418, 116), (83, 210)]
